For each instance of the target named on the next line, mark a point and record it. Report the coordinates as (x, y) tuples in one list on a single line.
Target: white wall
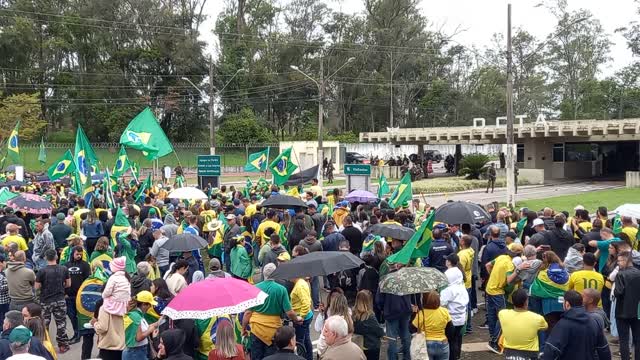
[(387, 150)]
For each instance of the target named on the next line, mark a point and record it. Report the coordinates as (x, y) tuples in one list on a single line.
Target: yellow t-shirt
[(586, 279), (632, 232), (316, 190), (520, 329), (432, 323), (250, 210), (76, 217), (466, 261), (498, 277), (301, 298), (22, 244), (264, 226)]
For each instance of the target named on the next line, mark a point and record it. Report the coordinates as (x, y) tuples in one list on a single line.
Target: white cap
[(537, 222), (579, 207), (230, 217)]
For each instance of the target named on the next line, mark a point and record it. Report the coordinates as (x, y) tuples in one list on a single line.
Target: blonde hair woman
[(226, 347)]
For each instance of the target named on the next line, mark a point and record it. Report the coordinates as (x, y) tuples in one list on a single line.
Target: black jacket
[(438, 253), (371, 332), (594, 234), (627, 292), (35, 348), (354, 236), (284, 354), (561, 241), (173, 340), (576, 336), (139, 283)]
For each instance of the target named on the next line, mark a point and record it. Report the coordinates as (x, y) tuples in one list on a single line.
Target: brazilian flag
[(88, 294), (257, 162), (13, 146), (122, 163), (282, 167), (62, 167)]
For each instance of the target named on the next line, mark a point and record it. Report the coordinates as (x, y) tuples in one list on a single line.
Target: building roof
[(566, 131)]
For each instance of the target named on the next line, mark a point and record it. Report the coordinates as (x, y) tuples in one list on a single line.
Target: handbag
[(419, 344)]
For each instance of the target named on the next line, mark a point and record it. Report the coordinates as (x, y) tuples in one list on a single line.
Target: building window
[(520, 153), (558, 152), (578, 152)]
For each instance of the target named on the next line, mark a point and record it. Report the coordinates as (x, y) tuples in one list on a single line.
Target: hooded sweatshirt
[(139, 283), (455, 297), (173, 340), (311, 243), (272, 255), (20, 280), (576, 336), (573, 261)]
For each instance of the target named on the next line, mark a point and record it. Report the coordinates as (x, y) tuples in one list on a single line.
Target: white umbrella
[(188, 193), (631, 210)]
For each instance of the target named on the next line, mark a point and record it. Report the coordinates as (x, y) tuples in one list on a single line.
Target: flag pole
[(268, 162)]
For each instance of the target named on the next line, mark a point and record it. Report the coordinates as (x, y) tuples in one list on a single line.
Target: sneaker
[(484, 326), (63, 349), (494, 348), (88, 326)]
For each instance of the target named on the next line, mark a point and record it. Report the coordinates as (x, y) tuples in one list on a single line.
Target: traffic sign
[(209, 165), (357, 169)]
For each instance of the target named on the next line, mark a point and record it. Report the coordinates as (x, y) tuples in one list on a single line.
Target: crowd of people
[(555, 284)]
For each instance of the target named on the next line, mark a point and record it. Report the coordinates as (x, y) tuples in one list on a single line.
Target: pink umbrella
[(214, 297)]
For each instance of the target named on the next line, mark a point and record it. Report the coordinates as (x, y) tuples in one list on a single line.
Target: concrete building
[(544, 149), (305, 153)]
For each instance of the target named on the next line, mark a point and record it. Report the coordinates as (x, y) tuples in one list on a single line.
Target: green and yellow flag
[(282, 167), (145, 134), (402, 193), (418, 245), (122, 163), (616, 226), (13, 145), (42, 154), (146, 185), (85, 158), (257, 162), (62, 167), (383, 186)]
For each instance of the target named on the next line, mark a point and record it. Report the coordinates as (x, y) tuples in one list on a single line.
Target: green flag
[(263, 184), (122, 163), (146, 185), (135, 170), (145, 134), (13, 147), (282, 167), (247, 188), (417, 246), (108, 192), (257, 162), (42, 155), (402, 193), (62, 167), (85, 158), (520, 227), (383, 186), (616, 226)]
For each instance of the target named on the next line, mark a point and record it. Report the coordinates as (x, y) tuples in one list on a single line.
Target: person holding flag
[(282, 167), (257, 162)]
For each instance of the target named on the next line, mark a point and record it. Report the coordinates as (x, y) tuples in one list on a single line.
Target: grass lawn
[(590, 200), (453, 184)]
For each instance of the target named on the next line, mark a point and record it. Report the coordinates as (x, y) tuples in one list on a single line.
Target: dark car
[(433, 155), (355, 158)]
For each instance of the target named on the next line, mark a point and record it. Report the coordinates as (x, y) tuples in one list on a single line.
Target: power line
[(138, 75)]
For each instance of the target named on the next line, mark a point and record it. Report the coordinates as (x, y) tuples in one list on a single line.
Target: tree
[(25, 108), (243, 128)]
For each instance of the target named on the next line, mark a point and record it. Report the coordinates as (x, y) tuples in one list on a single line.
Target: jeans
[(105, 354), (315, 291), (163, 269), (437, 350), (495, 303), (227, 261), (303, 336), (87, 345), (399, 328), (40, 263), (455, 350), (624, 325), (612, 317), (3, 310), (469, 307), (473, 295), (372, 354), (72, 313), (135, 353), (260, 350)]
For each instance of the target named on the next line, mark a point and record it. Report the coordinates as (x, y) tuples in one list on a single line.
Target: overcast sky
[(480, 19)]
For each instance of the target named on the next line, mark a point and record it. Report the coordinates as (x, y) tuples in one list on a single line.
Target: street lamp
[(212, 121), (321, 84)]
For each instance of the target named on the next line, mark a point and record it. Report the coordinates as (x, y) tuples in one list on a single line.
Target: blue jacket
[(332, 241), (393, 306), (576, 336), (438, 253), (491, 251)]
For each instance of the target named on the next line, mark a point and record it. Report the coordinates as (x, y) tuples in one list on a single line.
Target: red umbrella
[(214, 297)]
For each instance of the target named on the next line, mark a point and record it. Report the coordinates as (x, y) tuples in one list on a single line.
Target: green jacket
[(240, 262)]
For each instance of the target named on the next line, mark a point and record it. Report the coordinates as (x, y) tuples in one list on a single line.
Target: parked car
[(355, 158), (433, 155)]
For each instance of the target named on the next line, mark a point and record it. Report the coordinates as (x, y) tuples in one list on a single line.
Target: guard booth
[(358, 176), (209, 171)]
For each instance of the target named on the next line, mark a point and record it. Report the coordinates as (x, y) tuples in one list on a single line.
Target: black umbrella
[(283, 202), (393, 231), (13, 183), (317, 263), (461, 212), (184, 242), (30, 204)]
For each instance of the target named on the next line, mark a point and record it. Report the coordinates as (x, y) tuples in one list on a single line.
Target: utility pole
[(321, 89), (510, 159), (391, 91), (212, 120)]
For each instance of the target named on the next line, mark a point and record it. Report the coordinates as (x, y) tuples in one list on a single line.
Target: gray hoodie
[(20, 280)]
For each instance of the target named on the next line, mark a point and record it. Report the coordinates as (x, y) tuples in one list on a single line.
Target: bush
[(243, 128), (451, 184), (473, 165)]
